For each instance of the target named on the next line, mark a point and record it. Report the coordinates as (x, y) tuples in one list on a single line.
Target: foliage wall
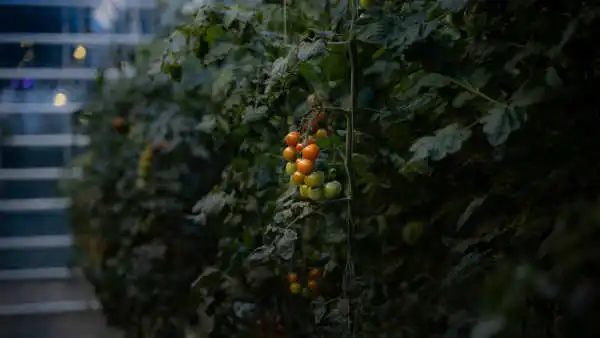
[(463, 133)]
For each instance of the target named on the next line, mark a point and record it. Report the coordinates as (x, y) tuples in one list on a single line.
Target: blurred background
[(50, 54)]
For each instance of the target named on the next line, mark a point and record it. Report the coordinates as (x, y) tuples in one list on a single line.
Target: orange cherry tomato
[(304, 165), (312, 284), (314, 273), (298, 177), (299, 147), (291, 139), (118, 122), (310, 152), (289, 154), (292, 277)]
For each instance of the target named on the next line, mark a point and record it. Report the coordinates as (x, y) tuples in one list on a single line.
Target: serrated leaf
[(372, 33), (446, 141), (500, 122), (308, 50), (285, 244), (223, 83), (252, 114)]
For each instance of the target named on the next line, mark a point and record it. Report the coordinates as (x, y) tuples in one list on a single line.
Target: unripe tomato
[(292, 277), (298, 178), (291, 139), (366, 3), (304, 165), (314, 273), (295, 288), (412, 232), (312, 285), (290, 168), (289, 154), (310, 152), (315, 179), (321, 133), (299, 147), (332, 189), (315, 194), (304, 189)]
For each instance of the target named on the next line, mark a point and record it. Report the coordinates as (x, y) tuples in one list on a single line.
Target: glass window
[(48, 19), (29, 189), (43, 91), (46, 222), (36, 157), (51, 56), (37, 124)]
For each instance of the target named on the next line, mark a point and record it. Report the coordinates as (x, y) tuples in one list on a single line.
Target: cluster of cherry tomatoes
[(302, 155), (311, 285)]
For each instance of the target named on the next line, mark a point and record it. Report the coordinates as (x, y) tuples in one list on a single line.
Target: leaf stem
[(474, 91)]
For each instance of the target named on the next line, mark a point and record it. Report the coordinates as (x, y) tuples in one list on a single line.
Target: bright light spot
[(60, 99), (79, 53)]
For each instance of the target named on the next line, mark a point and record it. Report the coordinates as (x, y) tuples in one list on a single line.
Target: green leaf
[(552, 78), (453, 5), (213, 33), (319, 307), (527, 97), (446, 141), (285, 244), (223, 83), (210, 277), (500, 122), (308, 50), (462, 98), (251, 114), (464, 217)]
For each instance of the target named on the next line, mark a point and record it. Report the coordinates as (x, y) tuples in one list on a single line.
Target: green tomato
[(366, 3), (315, 194), (304, 191), (412, 232), (290, 168), (315, 179), (333, 189)]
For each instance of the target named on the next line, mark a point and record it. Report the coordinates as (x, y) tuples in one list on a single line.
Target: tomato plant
[(438, 150)]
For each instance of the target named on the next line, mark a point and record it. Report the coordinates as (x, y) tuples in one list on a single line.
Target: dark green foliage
[(474, 167)]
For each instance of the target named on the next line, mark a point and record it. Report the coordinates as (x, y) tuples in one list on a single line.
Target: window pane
[(46, 222), (29, 189), (51, 56), (36, 157), (47, 19), (43, 91), (36, 124)]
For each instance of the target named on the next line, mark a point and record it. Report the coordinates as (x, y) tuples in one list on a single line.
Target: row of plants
[(343, 168)]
